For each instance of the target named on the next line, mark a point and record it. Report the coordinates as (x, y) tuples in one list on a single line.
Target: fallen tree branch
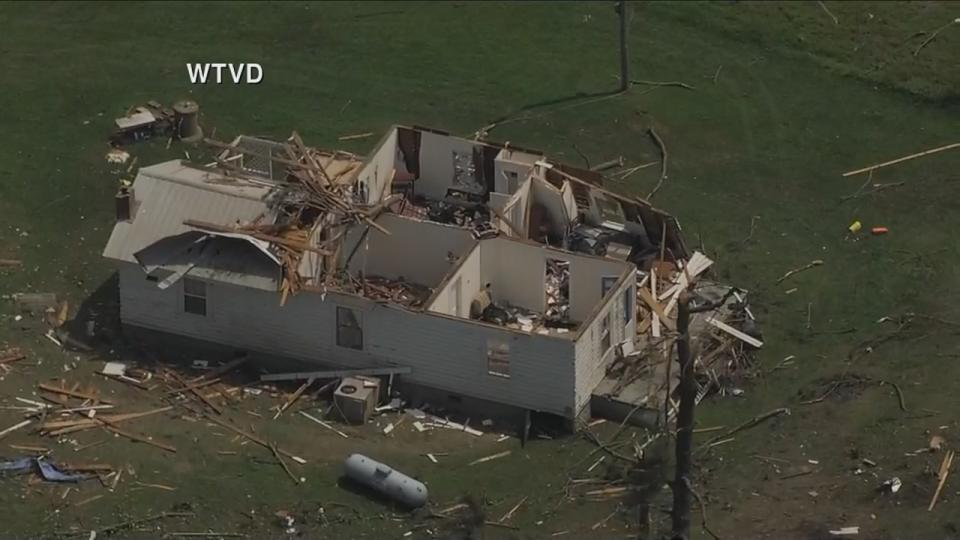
[(933, 35), (756, 420), (703, 508), (663, 162), (828, 12), (663, 83), (807, 266), (593, 438)]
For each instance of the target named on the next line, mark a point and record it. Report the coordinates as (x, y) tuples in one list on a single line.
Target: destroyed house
[(473, 271)]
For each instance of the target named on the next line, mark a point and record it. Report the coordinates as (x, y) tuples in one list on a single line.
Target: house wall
[(510, 163), (515, 271), (468, 279), (379, 168), (416, 250), (551, 198), (586, 275), (591, 360), (443, 352), (436, 162)]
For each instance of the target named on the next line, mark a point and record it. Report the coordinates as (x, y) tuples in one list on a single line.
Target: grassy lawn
[(784, 102)]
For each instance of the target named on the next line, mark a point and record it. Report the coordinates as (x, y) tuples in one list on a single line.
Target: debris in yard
[(490, 458), (324, 424), (512, 511), (116, 369), (432, 458), (936, 443), (118, 156), (253, 438), (846, 531), (10, 262), (876, 231), (357, 136), (855, 227), (35, 302), (892, 485), (385, 480), (942, 475), (11, 355), (15, 427), (900, 160), (811, 264)]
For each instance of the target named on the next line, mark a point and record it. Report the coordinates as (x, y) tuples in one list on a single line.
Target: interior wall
[(379, 169), (468, 279), (504, 168), (436, 162), (417, 251), (515, 271), (551, 198), (586, 278)]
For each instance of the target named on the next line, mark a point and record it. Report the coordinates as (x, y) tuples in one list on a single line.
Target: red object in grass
[(879, 230)]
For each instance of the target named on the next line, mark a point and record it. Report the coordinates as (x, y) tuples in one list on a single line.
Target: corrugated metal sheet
[(169, 193)]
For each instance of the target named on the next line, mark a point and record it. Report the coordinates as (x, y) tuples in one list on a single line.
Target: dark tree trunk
[(688, 397)]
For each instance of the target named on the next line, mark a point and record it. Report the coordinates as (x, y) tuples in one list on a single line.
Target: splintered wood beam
[(213, 227), (72, 393)]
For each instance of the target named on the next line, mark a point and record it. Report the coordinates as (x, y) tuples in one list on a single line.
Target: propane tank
[(385, 480)]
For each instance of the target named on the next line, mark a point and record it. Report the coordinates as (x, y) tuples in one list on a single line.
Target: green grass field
[(785, 100)]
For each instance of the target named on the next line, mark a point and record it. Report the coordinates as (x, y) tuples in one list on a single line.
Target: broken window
[(194, 296), (605, 333), (498, 359), (557, 288), (628, 311), (349, 328), (465, 173)]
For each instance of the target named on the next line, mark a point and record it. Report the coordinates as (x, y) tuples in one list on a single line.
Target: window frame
[(498, 352), (342, 324), (193, 296), (606, 341)]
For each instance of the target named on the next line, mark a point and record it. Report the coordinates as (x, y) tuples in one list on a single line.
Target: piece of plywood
[(735, 333), (657, 308)]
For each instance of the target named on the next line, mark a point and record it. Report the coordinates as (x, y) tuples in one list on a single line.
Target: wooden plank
[(72, 393), (15, 427), (293, 398), (213, 227), (334, 374), (943, 473), (194, 391), (655, 328), (900, 160), (324, 424), (254, 438), (136, 437), (657, 308), (56, 424), (735, 333)]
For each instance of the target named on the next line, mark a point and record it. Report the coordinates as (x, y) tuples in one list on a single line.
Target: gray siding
[(443, 352)]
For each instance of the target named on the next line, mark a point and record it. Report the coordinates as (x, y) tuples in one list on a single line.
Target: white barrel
[(385, 480)]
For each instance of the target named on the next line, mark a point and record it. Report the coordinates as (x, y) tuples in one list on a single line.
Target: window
[(628, 311), (194, 296), (498, 359), (349, 328), (607, 283), (605, 334)]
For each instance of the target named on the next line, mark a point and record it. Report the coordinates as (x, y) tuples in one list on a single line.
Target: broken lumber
[(811, 264), (15, 427), (746, 338), (293, 398), (286, 469), (647, 297), (902, 159), (324, 424), (489, 458), (748, 424), (222, 370), (72, 393), (513, 510), (357, 136), (10, 262), (254, 438), (194, 391), (944, 471)]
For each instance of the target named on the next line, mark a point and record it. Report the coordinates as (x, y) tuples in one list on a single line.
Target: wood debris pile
[(725, 336), (388, 290), (315, 202)]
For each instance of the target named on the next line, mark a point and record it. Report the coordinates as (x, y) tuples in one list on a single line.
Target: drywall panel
[(586, 283), (437, 163), (468, 279), (551, 199), (569, 202), (378, 171), (515, 271), (418, 251)]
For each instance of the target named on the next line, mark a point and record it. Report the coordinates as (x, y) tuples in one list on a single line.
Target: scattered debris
[(936, 443), (846, 531), (385, 480), (900, 160), (811, 264), (490, 458), (942, 475), (892, 485)]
